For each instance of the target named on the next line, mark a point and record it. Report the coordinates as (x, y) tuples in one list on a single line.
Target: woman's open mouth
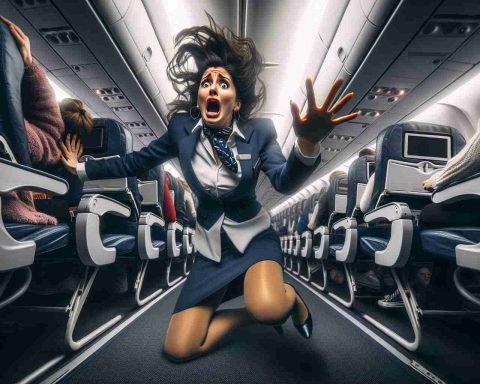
[(213, 108)]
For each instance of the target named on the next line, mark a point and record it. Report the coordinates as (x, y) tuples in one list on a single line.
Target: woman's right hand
[(71, 152), (22, 40)]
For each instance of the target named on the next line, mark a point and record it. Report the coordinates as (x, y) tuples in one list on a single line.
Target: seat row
[(108, 220), (388, 234)]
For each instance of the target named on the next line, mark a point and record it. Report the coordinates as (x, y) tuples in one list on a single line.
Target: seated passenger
[(44, 128), (366, 199), (188, 203), (320, 213), (466, 163)]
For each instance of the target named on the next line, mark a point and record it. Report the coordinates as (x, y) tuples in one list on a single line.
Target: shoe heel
[(305, 329)]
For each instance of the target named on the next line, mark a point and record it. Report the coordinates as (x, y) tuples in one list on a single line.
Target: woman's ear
[(238, 105)]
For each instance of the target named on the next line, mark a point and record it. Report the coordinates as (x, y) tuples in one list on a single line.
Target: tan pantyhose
[(195, 331)]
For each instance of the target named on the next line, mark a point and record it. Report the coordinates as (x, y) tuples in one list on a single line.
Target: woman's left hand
[(427, 185), (22, 40), (319, 121)]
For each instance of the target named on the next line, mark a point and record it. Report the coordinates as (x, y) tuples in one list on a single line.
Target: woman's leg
[(194, 331), (267, 298)]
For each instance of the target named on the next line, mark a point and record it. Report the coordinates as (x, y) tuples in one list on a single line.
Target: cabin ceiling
[(113, 55)]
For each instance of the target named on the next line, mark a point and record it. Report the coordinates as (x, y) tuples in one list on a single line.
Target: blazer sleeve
[(286, 176), (137, 162)]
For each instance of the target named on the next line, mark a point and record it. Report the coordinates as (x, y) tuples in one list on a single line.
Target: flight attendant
[(221, 150)]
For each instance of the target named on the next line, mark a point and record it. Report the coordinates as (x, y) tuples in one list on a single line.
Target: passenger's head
[(334, 174), (223, 84), (184, 184), (424, 276), (337, 276), (366, 152), (76, 118)]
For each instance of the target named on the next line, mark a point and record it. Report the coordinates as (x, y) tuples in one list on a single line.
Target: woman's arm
[(43, 121), (132, 164)]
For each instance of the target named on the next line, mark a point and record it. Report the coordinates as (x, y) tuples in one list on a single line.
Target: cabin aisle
[(337, 353)]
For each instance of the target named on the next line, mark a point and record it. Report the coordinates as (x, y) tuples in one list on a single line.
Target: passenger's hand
[(71, 151), (427, 185), (318, 121), (22, 40)]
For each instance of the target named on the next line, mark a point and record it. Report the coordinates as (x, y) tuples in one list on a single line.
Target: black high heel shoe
[(305, 329)]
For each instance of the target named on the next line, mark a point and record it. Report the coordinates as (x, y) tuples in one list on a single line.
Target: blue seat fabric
[(48, 238), (370, 244), (124, 244), (442, 242)]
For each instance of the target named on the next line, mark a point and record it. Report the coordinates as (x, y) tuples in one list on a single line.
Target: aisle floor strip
[(76, 361), (415, 365)]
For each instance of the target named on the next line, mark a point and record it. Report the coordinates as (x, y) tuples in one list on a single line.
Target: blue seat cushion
[(124, 244), (159, 244), (370, 244), (48, 238), (333, 248), (441, 242)]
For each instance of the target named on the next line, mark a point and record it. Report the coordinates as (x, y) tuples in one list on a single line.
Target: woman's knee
[(178, 351), (266, 310)]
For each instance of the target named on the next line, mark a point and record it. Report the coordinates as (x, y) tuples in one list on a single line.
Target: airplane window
[(433, 147)]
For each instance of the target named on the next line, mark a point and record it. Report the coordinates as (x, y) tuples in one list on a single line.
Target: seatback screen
[(94, 140), (428, 147)]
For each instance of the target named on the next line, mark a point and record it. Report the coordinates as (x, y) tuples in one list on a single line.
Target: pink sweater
[(44, 125)]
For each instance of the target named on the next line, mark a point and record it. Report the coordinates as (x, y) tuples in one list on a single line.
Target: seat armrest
[(389, 212), (322, 230), (149, 218), (99, 205), (307, 247), (345, 223), (172, 248), (464, 190), (306, 235), (15, 176), (188, 231), (398, 249), (90, 247), (146, 250)]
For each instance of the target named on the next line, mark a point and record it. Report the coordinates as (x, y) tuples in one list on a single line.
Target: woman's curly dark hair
[(215, 46)]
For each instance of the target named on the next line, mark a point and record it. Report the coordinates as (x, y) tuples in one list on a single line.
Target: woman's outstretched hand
[(427, 185), (22, 40), (318, 121), (71, 152)]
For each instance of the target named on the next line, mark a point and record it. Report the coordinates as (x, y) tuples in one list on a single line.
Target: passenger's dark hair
[(366, 152), (76, 118), (215, 46)]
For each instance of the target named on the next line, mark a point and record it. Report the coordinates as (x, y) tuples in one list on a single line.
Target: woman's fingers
[(73, 139), (332, 93), (295, 113), (6, 21), (81, 151), (16, 36), (19, 30), (312, 104), (345, 118), (341, 103)]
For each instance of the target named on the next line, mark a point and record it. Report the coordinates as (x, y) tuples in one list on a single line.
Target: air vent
[(60, 36), (136, 124), (123, 109), (369, 112), (387, 91), (29, 4), (104, 91), (341, 137), (114, 98), (147, 134), (443, 28)]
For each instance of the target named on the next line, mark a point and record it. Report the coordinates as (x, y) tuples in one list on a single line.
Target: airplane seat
[(20, 243), (407, 154), (457, 244), (324, 241)]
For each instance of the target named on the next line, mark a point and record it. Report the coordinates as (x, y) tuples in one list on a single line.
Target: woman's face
[(217, 97)]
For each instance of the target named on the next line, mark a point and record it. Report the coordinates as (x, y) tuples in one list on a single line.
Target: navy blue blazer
[(239, 204)]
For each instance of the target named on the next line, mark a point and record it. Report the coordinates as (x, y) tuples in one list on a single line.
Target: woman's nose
[(213, 90)]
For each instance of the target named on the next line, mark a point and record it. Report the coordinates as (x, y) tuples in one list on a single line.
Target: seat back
[(359, 173), (111, 138), (12, 127), (337, 198), (407, 154)]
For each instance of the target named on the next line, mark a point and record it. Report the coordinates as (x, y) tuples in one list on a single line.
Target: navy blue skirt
[(207, 276)]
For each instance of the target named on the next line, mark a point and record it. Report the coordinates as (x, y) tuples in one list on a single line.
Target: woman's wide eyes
[(224, 85), (206, 84)]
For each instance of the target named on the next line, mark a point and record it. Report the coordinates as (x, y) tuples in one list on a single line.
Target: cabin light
[(388, 91), (374, 113), (360, 112), (392, 99), (378, 90), (400, 92)]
